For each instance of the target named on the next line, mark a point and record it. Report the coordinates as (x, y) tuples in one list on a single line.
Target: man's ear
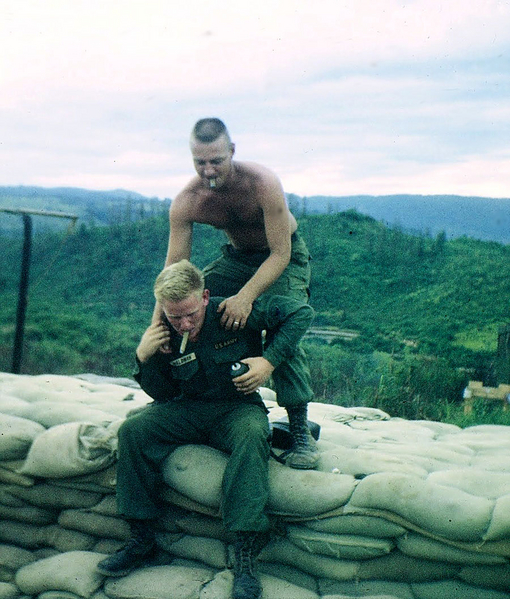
[(232, 148), (206, 296)]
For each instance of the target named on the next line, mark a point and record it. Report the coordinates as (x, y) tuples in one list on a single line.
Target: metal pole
[(17, 352)]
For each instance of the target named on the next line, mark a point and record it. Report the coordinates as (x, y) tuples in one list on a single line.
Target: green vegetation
[(428, 309)]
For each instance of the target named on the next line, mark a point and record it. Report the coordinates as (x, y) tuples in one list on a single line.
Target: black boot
[(304, 454), (134, 554), (247, 546)]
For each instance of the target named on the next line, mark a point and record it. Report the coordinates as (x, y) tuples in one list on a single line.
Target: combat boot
[(247, 546), (304, 455), (135, 552)]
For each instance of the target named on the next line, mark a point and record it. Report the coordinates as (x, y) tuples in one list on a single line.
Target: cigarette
[(184, 342), (212, 183)]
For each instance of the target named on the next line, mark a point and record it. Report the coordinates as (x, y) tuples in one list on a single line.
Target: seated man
[(186, 369)]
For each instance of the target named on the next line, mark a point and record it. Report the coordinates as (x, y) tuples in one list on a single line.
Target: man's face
[(188, 314), (213, 161)]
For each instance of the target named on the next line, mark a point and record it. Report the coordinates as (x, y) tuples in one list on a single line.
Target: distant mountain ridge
[(486, 219)]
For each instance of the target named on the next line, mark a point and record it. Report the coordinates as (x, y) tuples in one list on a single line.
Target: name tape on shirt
[(184, 360)]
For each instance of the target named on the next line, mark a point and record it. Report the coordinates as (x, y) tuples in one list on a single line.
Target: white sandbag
[(156, 582), (350, 547), (436, 454), (70, 449), (333, 589), (95, 524), (499, 528), (445, 511), (284, 552), (74, 571), (16, 436), (475, 481), (425, 548), (54, 497), (210, 552), (395, 429), (403, 568), (9, 591), (371, 526), (454, 589)]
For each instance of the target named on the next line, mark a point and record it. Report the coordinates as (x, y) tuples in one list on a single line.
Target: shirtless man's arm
[(277, 226)]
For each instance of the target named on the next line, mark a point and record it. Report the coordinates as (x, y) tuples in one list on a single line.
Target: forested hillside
[(438, 302)]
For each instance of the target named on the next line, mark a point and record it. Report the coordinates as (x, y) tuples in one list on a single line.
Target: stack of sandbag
[(397, 509)]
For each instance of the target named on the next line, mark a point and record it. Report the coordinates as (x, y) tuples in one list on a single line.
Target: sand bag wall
[(396, 509)]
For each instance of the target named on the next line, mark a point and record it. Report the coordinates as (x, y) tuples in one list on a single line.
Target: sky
[(338, 97)]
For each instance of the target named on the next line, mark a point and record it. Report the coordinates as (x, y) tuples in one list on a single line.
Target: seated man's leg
[(244, 434), (145, 440)]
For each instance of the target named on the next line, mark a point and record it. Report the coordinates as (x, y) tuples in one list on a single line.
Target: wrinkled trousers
[(241, 430)]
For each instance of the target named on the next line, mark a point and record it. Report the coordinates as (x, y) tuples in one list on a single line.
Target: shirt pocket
[(184, 369)]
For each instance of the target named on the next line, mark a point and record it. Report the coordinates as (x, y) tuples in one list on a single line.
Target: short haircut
[(209, 130), (178, 281)]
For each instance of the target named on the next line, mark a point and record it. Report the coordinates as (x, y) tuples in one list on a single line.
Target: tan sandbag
[(290, 574), (106, 507), (403, 568), (59, 595), (17, 436), (199, 525), (359, 461), (21, 534), (284, 552), (70, 449), (454, 589), (10, 476), (74, 571), (196, 471), (350, 547), (273, 588), (210, 552), (9, 591), (7, 498), (371, 526), (492, 577), (499, 527), (102, 481), (332, 589), (14, 557), (425, 548), (95, 524), (155, 583), (55, 413), (67, 540), (444, 511), (306, 493), (28, 513), (55, 497), (475, 481)]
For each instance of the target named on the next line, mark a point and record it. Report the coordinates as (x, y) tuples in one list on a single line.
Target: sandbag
[(74, 571), (70, 449), (445, 511), (17, 435), (95, 524), (15, 557), (210, 552), (371, 526), (8, 591), (350, 547), (54, 497), (364, 588), (454, 589), (403, 568), (155, 583)]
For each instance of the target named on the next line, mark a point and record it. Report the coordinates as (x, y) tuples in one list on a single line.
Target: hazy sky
[(338, 97)]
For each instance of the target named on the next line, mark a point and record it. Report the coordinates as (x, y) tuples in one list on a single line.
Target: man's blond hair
[(178, 281)]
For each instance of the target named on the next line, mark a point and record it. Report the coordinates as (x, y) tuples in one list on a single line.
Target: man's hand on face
[(260, 371), (235, 312), (156, 338)]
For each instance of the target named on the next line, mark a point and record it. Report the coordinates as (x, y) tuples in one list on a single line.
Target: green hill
[(439, 301)]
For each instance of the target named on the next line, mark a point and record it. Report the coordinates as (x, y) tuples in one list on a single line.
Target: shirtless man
[(265, 254)]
